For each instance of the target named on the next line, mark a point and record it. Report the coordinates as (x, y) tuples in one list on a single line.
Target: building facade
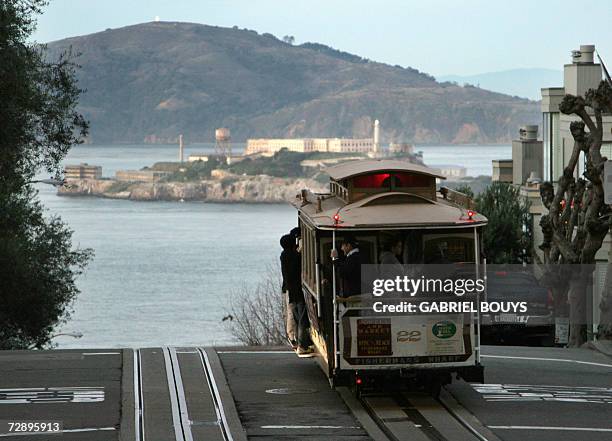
[(579, 76), (83, 171), (502, 170), (305, 145), (140, 175)]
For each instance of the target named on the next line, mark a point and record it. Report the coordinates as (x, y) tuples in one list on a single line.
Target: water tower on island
[(223, 144)]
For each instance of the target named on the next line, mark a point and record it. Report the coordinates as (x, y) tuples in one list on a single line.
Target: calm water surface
[(163, 272)]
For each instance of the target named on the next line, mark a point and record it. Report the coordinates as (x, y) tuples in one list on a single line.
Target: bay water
[(164, 272)]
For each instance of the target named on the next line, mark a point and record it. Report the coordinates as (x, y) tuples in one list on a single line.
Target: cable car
[(372, 200)]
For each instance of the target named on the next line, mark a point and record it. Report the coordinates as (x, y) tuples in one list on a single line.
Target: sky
[(440, 37)]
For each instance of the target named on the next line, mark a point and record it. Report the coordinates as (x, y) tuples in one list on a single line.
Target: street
[(529, 394)]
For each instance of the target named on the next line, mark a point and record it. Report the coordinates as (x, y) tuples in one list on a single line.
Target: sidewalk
[(602, 346)]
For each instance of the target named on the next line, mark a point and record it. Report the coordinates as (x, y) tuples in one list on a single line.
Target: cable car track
[(418, 417), (190, 381), (138, 398), (214, 392), (180, 414)]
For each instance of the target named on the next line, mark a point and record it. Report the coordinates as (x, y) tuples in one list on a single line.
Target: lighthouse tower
[(181, 149), (376, 137)]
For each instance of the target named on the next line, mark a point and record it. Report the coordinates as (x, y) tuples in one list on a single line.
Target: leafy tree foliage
[(508, 236), (283, 163), (466, 190), (39, 124)]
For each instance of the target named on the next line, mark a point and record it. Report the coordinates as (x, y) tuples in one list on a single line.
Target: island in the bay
[(269, 171)]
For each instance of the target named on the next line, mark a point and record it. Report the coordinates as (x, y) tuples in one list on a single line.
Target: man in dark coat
[(291, 268), (348, 266)]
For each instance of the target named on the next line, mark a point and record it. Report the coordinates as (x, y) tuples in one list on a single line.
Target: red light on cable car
[(358, 381), (336, 218), (471, 214)]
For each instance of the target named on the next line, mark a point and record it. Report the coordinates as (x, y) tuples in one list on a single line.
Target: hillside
[(152, 81), (520, 82)]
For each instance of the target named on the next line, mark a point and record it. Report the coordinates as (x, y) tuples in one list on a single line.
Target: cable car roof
[(362, 166), (387, 210)]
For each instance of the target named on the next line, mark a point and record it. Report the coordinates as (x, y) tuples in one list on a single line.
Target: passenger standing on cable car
[(291, 269), (291, 325), (349, 266)]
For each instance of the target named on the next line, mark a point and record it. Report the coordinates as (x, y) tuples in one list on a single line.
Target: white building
[(579, 76), (304, 145), (451, 172)]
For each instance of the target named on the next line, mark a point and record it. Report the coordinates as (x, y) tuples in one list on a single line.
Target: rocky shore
[(230, 188)]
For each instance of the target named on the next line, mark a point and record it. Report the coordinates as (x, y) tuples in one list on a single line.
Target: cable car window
[(448, 250), (392, 180), (312, 258), (367, 249)]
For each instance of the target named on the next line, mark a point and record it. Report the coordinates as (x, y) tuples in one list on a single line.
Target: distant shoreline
[(211, 144), (260, 189)]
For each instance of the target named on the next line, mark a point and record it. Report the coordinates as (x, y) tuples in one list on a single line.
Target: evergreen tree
[(508, 236), (38, 126)]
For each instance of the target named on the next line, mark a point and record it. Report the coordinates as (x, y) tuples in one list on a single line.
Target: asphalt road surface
[(530, 394), (81, 389), (542, 394)]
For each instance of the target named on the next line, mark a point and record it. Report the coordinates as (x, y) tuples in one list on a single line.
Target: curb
[(602, 346)]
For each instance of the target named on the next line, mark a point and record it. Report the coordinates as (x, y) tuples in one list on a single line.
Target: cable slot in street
[(180, 416), (214, 392)]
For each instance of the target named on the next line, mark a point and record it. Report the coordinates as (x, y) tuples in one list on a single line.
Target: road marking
[(52, 395), (590, 363), (87, 429), (101, 353), (255, 352), (310, 427), (523, 392), (579, 429)]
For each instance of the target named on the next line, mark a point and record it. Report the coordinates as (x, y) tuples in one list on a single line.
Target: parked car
[(536, 326)]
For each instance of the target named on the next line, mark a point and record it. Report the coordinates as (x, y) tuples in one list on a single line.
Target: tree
[(508, 236), (38, 264), (289, 39), (257, 317), (466, 190), (578, 220)]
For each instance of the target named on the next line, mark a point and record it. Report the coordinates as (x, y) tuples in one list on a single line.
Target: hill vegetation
[(152, 81), (525, 83)]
